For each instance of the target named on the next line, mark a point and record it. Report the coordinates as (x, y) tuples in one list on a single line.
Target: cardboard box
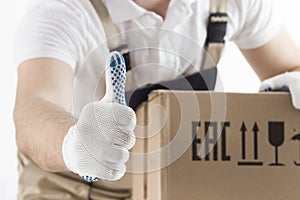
[(212, 146)]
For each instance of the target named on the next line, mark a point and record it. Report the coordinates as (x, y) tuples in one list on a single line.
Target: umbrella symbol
[(297, 138)]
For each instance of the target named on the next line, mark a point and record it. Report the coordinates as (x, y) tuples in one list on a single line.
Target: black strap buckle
[(216, 29)]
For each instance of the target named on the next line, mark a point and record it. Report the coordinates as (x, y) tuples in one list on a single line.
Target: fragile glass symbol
[(276, 139)]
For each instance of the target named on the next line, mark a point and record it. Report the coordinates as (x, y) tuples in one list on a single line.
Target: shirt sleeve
[(58, 29), (259, 22)]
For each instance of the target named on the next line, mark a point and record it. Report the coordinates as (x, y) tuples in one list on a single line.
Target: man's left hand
[(288, 80)]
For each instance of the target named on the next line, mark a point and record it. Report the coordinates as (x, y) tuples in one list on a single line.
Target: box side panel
[(156, 125), (138, 164), (256, 154)]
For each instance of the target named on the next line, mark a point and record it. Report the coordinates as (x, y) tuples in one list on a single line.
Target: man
[(60, 46)]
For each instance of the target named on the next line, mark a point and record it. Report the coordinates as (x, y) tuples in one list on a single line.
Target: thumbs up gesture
[(97, 147)]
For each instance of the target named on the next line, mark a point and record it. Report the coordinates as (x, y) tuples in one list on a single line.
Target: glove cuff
[(66, 147)]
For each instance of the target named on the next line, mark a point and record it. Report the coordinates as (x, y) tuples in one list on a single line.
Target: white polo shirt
[(161, 49)]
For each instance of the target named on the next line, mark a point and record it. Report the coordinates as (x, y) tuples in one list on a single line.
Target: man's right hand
[(97, 146)]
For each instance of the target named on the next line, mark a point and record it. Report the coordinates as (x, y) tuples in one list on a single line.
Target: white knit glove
[(289, 81), (97, 147)]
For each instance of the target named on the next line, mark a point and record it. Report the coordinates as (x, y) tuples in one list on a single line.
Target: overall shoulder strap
[(111, 30), (117, 43), (216, 30)]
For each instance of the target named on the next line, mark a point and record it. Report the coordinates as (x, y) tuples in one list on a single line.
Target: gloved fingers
[(275, 83), (114, 150), (112, 172), (112, 154), (105, 163), (288, 80), (112, 113), (294, 88), (124, 138), (124, 116), (104, 171)]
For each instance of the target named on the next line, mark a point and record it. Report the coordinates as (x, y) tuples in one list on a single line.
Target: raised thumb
[(115, 78)]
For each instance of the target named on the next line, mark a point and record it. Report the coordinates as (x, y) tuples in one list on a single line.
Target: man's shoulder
[(67, 13), (67, 7)]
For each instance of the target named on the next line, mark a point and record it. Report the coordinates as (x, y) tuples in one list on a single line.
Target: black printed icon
[(209, 144), (255, 131), (243, 131), (297, 138), (276, 139)]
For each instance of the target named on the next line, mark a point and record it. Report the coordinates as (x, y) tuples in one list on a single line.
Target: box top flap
[(156, 93)]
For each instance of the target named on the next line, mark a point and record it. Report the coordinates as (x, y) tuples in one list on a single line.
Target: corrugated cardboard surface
[(241, 164)]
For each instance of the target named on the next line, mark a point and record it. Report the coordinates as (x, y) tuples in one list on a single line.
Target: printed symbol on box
[(255, 131), (297, 138), (276, 139), (210, 140), (196, 141)]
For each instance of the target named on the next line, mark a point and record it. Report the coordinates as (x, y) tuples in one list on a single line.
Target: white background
[(235, 72)]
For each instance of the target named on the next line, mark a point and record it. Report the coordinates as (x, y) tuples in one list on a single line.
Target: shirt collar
[(123, 10), (187, 2)]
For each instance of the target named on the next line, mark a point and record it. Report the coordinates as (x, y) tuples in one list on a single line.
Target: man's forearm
[(40, 130)]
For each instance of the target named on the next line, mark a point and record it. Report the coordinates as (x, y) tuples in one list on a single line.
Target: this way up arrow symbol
[(255, 132), (243, 130)]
